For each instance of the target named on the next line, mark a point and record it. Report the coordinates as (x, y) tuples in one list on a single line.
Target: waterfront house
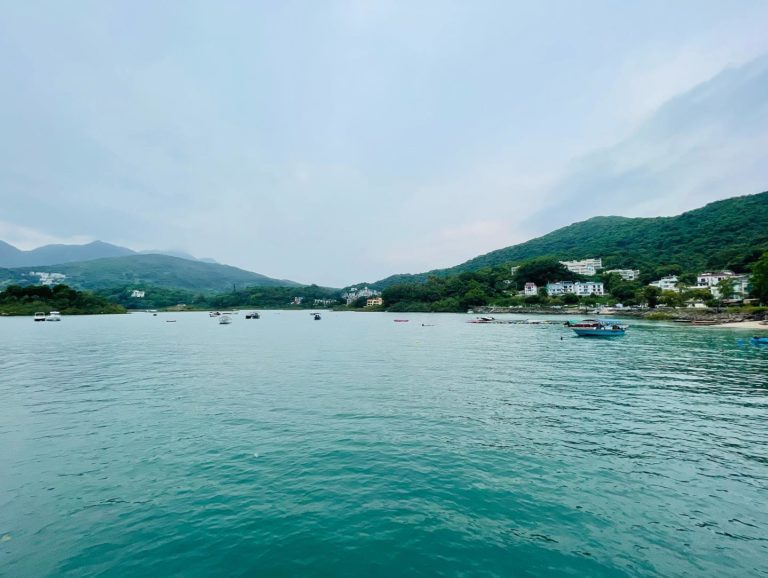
[(741, 283), (712, 278), (668, 283), (579, 288), (374, 301), (530, 289)]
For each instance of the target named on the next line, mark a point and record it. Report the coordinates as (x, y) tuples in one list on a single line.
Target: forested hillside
[(154, 270), (725, 234)]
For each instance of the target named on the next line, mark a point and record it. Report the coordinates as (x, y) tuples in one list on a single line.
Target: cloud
[(706, 144), (25, 238)]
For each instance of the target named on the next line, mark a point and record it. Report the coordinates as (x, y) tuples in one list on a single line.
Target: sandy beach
[(752, 325)]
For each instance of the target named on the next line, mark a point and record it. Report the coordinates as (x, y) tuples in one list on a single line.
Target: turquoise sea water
[(355, 446)]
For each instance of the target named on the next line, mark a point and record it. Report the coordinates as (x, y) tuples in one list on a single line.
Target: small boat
[(253, 315), (39, 316), (53, 316), (757, 340), (482, 320), (225, 320), (170, 321), (214, 314), (402, 320), (597, 328), (316, 316)]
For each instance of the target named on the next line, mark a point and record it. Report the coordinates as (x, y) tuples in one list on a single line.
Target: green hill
[(725, 234), (148, 270)]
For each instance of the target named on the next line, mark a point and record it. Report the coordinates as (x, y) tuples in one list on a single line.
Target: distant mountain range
[(725, 234), (100, 265), (10, 256), (145, 271)]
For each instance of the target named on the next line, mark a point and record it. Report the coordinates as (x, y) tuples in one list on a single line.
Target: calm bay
[(355, 446)]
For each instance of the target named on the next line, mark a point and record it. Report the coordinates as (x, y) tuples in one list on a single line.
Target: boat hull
[(599, 332)]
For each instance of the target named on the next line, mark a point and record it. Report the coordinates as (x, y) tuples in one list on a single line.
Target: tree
[(671, 298), (570, 299), (760, 279), (725, 289), (542, 271), (650, 294)]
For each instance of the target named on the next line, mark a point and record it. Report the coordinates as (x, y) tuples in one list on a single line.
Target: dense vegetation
[(17, 300), (496, 286), (154, 270), (725, 234), (251, 297)]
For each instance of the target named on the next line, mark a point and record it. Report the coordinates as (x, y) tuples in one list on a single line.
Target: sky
[(335, 142)]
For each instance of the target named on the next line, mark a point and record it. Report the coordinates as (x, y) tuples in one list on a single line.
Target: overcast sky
[(336, 142)]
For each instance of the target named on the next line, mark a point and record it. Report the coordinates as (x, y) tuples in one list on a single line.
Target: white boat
[(225, 320), (53, 316), (598, 328), (39, 316), (214, 314)]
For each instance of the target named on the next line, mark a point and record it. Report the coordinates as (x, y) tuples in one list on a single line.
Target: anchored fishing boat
[(598, 328), (53, 316)]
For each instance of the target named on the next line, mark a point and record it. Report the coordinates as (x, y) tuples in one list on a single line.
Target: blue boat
[(598, 328), (759, 340)]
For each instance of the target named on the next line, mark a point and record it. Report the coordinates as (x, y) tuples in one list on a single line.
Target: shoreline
[(749, 324)]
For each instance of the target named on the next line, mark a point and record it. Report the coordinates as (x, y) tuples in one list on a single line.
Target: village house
[(530, 289), (584, 267), (137, 294), (668, 283), (354, 294), (49, 278), (626, 274), (579, 288), (374, 301)]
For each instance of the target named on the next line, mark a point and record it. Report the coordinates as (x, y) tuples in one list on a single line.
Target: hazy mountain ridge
[(721, 234), (145, 271), (56, 254)]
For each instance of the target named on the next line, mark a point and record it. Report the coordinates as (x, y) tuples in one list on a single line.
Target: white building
[(584, 267), (354, 293), (741, 287), (710, 279), (374, 301), (668, 283), (530, 289), (626, 274), (580, 288), (137, 294), (48, 278)]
